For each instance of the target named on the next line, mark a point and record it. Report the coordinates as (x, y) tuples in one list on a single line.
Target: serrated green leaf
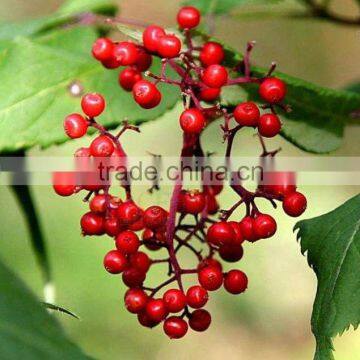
[(36, 76), (332, 244), (27, 331), (65, 14), (224, 6), (319, 114)]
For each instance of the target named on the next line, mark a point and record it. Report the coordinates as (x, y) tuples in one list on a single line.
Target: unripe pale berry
[(93, 104), (75, 126), (294, 204), (188, 17)]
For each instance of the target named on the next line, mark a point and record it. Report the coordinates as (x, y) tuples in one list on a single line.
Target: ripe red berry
[(144, 60), (112, 226), (155, 217), (175, 327), (111, 63), (156, 310), (247, 114), (115, 262), (92, 224), (264, 226), (151, 36), (272, 90), (102, 49), (126, 53), (135, 300), (128, 212), (247, 228), (209, 94), (145, 321), (210, 278), (75, 126), (192, 121), (127, 242), (169, 46), (239, 238), (192, 202), (220, 233), (98, 203), (101, 146), (235, 281), (146, 94), (215, 76), (197, 297), (93, 104), (128, 77), (137, 225), (175, 300), (279, 182), (188, 17), (140, 261), (294, 204), (82, 152), (231, 253), (64, 183), (211, 53), (212, 205), (269, 125), (200, 320), (209, 262), (133, 277)]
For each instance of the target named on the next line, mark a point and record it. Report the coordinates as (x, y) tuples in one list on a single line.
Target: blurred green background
[(272, 319)]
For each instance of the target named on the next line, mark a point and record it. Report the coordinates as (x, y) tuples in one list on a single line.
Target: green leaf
[(319, 114), (224, 6), (27, 331), (354, 87), (36, 76), (332, 244), (65, 14)]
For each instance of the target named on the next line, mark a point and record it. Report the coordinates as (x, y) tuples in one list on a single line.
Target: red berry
[(264, 226), (144, 60), (231, 253), (235, 281), (210, 278), (247, 114), (215, 76), (127, 242), (188, 17), (128, 213), (272, 90), (115, 262), (192, 121), (126, 53), (92, 224), (175, 327), (156, 310), (75, 126), (192, 202), (112, 226), (211, 53), (209, 94), (247, 228), (220, 233), (294, 204), (269, 125), (145, 320), (209, 262), (146, 94), (93, 104), (128, 77), (137, 225), (64, 183), (155, 217), (140, 261), (135, 300), (102, 49), (279, 182), (111, 63), (197, 297), (200, 320), (212, 205), (239, 238), (175, 300), (133, 277), (98, 203), (101, 146), (169, 46), (82, 152), (151, 36)]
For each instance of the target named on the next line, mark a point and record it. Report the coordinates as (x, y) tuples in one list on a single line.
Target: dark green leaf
[(60, 309), (27, 331), (66, 14), (224, 6), (36, 76), (355, 87), (332, 244)]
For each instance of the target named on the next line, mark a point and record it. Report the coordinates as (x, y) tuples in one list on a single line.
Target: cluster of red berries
[(132, 228)]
